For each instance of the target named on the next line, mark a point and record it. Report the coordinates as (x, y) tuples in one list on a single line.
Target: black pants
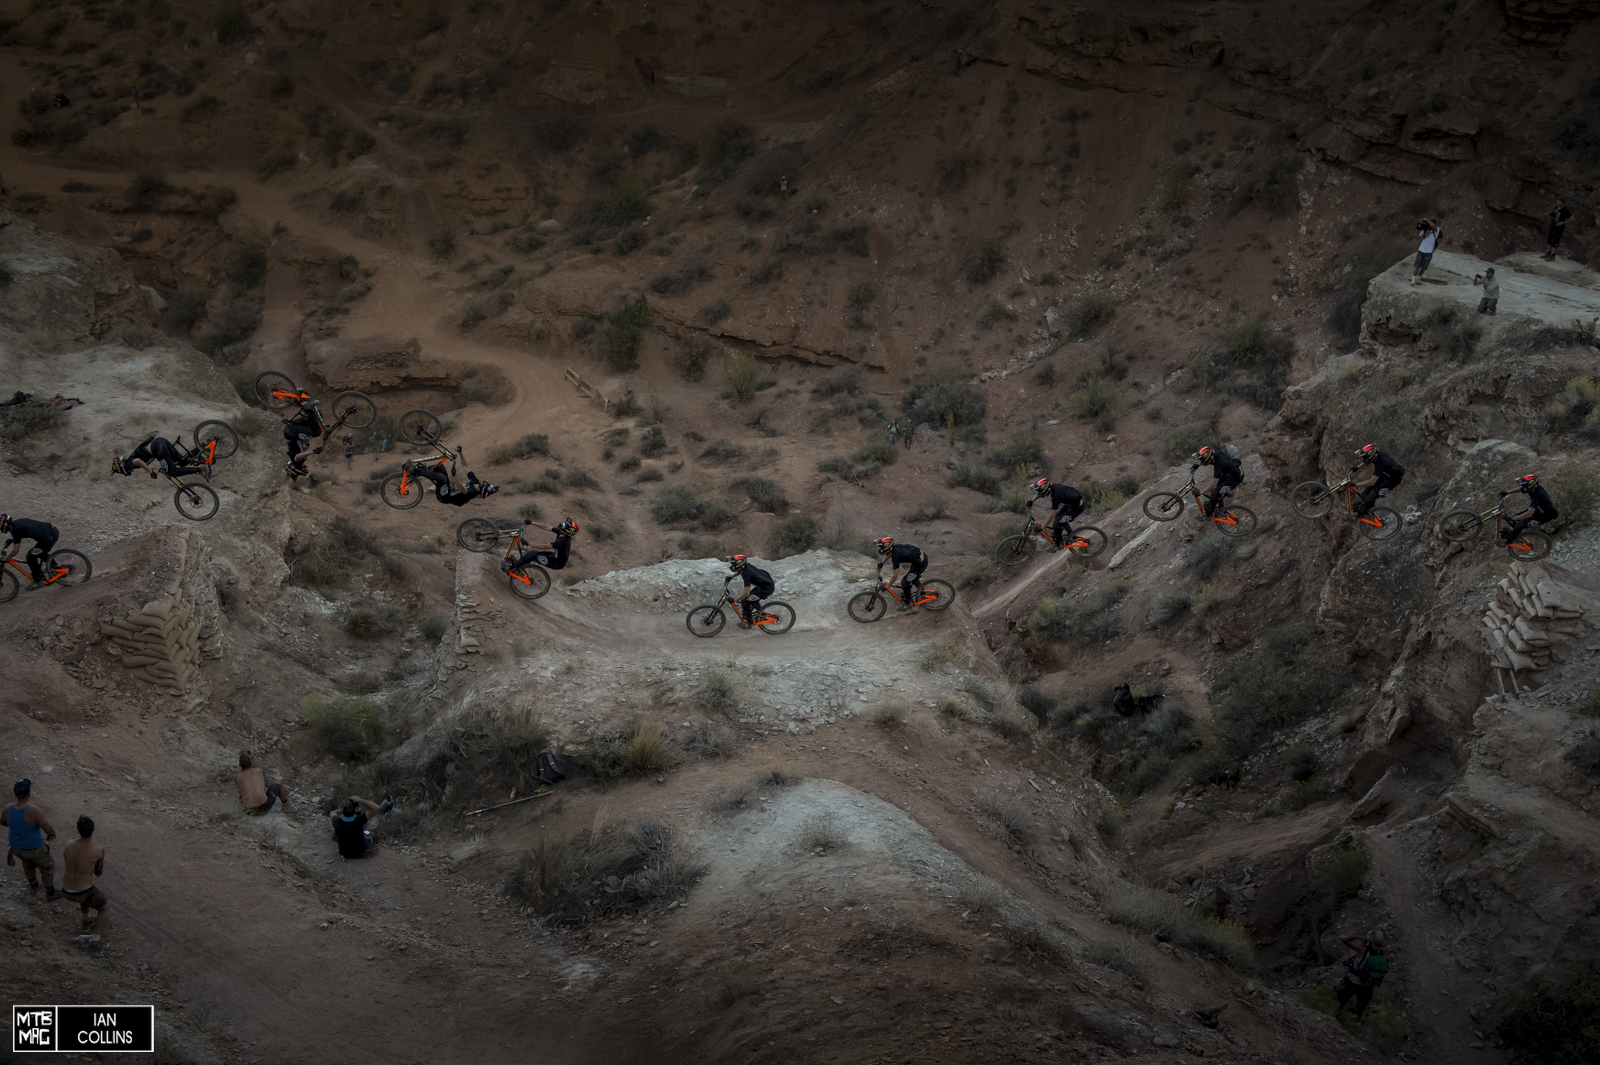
[(1363, 995), (912, 577), (543, 556), (1063, 526), (1224, 488), (1514, 528), (752, 602), (36, 556), (296, 441), (1369, 495)]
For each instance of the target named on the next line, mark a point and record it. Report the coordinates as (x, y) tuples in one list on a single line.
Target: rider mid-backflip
[(453, 495), (552, 557), (298, 432), (1066, 503), (1386, 474), (156, 455), (44, 537), (909, 555), (1540, 507), (758, 585), (1227, 474)]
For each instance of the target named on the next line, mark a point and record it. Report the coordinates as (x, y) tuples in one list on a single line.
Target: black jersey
[(1064, 495), (904, 555), (1226, 467), (759, 579)]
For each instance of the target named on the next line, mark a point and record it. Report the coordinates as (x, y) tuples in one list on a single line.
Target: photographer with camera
[(1428, 230), (1491, 291)]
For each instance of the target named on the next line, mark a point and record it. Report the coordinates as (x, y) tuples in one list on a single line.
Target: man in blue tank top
[(29, 830)]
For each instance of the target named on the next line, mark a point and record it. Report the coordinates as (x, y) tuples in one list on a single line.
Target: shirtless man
[(85, 860), (254, 793)]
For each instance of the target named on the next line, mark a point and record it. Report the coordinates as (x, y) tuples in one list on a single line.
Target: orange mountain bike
[(870, 606), (1085, 542), (1229, 518), (1459, 526), (1313, 499), (65, 567), (482, 534), (351, 408), (405, 489), (708, 619)]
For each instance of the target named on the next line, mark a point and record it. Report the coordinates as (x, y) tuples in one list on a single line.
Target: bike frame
[(729, 599), (885, 586), (53, 576), (442, 456), (1044, 534), (298, 397)]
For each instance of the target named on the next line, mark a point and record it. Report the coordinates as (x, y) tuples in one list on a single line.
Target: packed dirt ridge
[(781, 282)]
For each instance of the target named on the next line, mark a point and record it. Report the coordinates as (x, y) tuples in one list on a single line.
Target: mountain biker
[(1386, 474), (298, 432), (1540, 508), (758, 584), (909, 555), (156, 455), (552, 557), (1227, 474), (470, 489), (44, 537), (1066, 503)]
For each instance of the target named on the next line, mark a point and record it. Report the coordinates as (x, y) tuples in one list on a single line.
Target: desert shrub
[(1185, 440), (274, 162), (1253, 362), (1023, 448), (1089, 315), (652, 442), (794, 535), (1036, 702), (1095, 397), (852, 239), (562, 134), (147, 190), (1277, 186), (880, 451), (954, 169), (1577, 488), (1011, 818), (763, 493), (230, 24), (889, 712), (722, 451), (368, 622), (744, 373), (442, 245), (677, 505), (236, 322), (1127, 955), (530, 445), (625, 333), (932, 508), (578, 880), (1164, 916), (717, 690), (1584, 754), (709, 739), (975, 478), (647, 750), (823, 833), (722, 150), (983, 263), (1207, 555), (690, 361), (1346, 868), (347, 728), (943, 400), (1299, 760), (434, 626), (1576, 409), (841, 380), (1451, 332), (714, 312), (1092, 616), (767, 272), (331, 557), (1556, 1023), (29, 417)]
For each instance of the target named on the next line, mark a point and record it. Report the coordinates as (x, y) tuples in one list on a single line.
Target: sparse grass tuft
[(1125, 954), (795, 535), (1346, 869), (823, 833), (370, 622), (1092, 616), (599, 877), (718, 690), (1159, 914), (346, 728), (889, 712)]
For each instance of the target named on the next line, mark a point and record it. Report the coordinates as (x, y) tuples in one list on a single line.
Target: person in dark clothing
[(353, 825), (1227, 474), (1366, 970), (44, 537), (156, 455), (552, 557), (1066, 503), (298, 432), (1126, 705), (449, 494), (913, 558), (1558, 223), (1540, 507), (758, 585), (1386, 474)]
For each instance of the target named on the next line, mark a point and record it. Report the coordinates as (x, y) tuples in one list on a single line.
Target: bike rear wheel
[(420, 427), (1459, 526), (1530, 546), (1235, 521), (776, 618), (1015, 550), (402, 491), (867, 606), (1163, 506), (354, 409), (1379, 523), (531, 581), (1087, 542), (272, 381), (943, 595), (706, 620), (196, 501), (9, 585), (477, 534), (1311, 499), (227, 440), (77, 566)]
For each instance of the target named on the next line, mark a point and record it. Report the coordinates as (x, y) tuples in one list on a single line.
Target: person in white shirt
[(1428, 230)]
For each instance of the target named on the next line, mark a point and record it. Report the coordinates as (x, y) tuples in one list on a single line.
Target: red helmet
[(1205, 456), (736, 562), (1041, 486), (885, 544), (1528, 481), (568, 527), (1365, 453)]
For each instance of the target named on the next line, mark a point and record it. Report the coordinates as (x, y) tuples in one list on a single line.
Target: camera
[(1422, 226)]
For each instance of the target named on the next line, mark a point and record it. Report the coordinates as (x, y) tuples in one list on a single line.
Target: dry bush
[(602, 877), (498, 750), (744, 372), (1125, 954), (717, 690), (959, 706), (346, 728), (823, 833), (709, 739), (889, 712), (1160, 914), (370, 622), (647, 751), (29, 417), (946, 653), (1012, 721), (736, 797), (1346, 869), (643, 749), (784, 776), (1005, 814)]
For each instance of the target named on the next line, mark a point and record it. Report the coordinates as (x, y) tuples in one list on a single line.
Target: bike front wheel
[(1235, 521), (420, 427), (706, 620), (1459, 526), (1530, 546), (943, 595), (196, 501), (776, 618), (355, 409), (1379, 523), (867, 606), (402, 491), (530, 581), (1311, 499), (9, 585), (1015, 550), (227, 440), (477, 534), (1087, 542), (1163, 506), (274, 389), (70, 567)]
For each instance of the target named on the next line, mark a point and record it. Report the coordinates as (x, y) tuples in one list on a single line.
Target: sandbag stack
[(1534, 617), (161, 643)]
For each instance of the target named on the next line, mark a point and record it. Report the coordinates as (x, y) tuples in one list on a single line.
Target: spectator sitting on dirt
[(155, 455), (1126, 705), (758, 585), (1541, 508), (1428, 230), (86, 860), (1491, 291), (44, 537), (29, 831), (1366, 970), (552, 557), (353, 824), (254, 791), (470, 489)]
